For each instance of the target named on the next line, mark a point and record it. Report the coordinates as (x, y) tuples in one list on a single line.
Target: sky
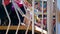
[(58, 4)]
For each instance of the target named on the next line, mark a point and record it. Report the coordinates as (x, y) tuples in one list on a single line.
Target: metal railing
[(7, 16), (17, 16)]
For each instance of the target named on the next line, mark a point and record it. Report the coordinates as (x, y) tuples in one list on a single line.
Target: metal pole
[(7, 16), (42, 17), (49, 16), (33, 16), (56, 14)]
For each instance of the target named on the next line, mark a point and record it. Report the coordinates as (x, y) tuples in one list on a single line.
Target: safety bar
[(17, 16), (7, 16)]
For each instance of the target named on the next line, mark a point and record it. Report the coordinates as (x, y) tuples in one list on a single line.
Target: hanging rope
[(7, 16)]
